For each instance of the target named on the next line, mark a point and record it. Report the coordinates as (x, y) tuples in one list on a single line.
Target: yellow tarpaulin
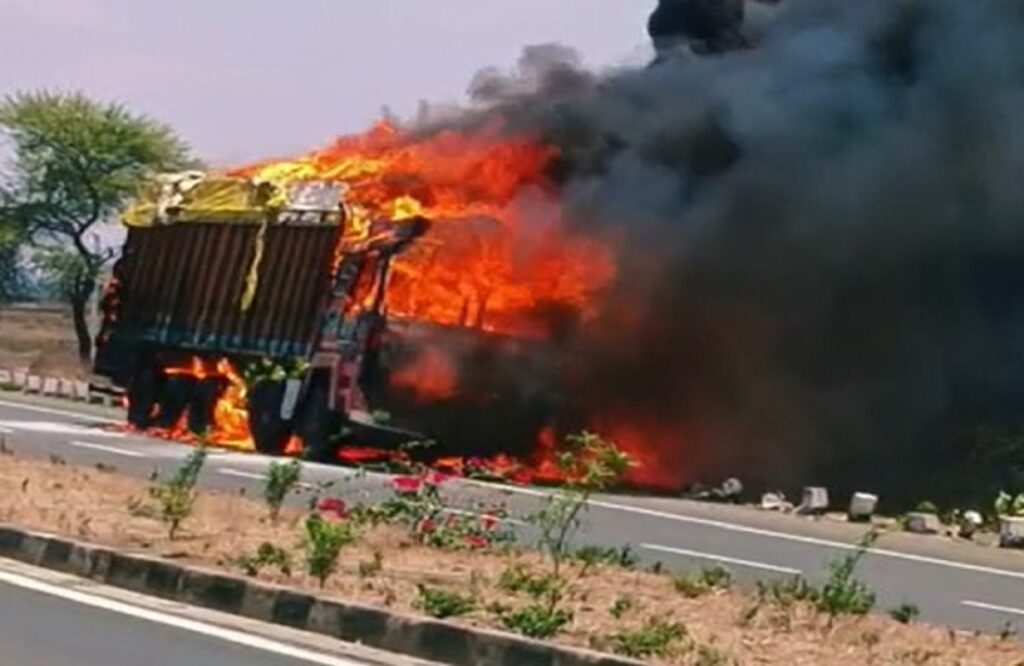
[(207, 200)]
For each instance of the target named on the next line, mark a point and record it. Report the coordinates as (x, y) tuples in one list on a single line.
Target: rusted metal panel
[(182, 287)]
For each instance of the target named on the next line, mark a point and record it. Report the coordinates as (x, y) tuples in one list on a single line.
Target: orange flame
[(499, 250), (230, 425), (431, 376)]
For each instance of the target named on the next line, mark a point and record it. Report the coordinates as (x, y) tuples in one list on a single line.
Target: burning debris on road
[(797, 260)]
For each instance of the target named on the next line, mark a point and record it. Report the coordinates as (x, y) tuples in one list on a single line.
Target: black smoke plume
[(820, 240)]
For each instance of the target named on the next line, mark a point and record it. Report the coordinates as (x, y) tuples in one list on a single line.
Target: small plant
[(708, 655), (323, 544), (372, 567), (701, 583), (787, 592), (592, 556), (620, 607), (282, 478), (656, 638), (905, 613), (442, 604), (517, 579), (177, 497), (536, 621), (590, 464), (267, 555), (1009, 505), (927, 507), (842, 593)]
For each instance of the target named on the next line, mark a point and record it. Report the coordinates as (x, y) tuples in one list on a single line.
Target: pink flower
[(476, 541), (407, 484)]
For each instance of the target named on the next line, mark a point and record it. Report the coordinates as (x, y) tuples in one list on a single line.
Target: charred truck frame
[(221, 268)]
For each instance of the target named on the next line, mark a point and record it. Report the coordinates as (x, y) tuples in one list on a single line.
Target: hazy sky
[(243, 80)]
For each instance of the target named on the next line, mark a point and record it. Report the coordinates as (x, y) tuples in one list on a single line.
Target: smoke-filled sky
[(244, 80)]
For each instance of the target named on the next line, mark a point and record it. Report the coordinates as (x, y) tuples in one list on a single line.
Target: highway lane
[(958, 584), (50, 619)]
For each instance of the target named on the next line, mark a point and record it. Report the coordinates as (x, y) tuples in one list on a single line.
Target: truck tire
[(142, 395), (270, 432), (317, 423)]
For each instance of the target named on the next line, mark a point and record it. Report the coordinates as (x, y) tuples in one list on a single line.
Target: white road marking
[(58, 412), (242, 474), (721, 558), (194, 626), (772, 534), (109, 449), (56, 428), (993, 607)]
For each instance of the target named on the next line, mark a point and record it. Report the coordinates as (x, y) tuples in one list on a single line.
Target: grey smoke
[(821, 241)]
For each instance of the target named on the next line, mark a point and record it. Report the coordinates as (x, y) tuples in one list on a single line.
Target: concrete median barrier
[(424, 638)]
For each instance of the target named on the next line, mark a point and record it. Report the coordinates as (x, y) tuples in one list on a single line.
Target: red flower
[(426, 526), (434, 478), (476, 541), (333, 505), (489, 522), (407, 484)]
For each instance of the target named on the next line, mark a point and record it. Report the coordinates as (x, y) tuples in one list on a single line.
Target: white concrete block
[(923, 523), (1011, 532), (815, 500), (862, 506), (50, 385)]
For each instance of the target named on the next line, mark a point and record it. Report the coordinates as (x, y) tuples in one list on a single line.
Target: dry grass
[(42, 341), (105, 508)]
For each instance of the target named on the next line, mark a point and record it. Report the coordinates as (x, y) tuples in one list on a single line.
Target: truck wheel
[(172, 399), (270, 432), (202, 403), (142, 395), (317, 422)]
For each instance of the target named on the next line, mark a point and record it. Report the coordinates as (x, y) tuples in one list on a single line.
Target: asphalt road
[(962, 585), (50, 619)]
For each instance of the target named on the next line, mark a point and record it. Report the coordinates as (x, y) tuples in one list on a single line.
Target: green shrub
[(536, 621), (282, 478), (927, 507), (620, 607), (267, 555), (843, 593), (657, 638), (323, 544), (177, 497), (442, 604), (787, 592), (905, 613), (693, 585), (518, 579)]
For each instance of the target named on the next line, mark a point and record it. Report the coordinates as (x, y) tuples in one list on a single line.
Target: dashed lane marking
[(721, 558)]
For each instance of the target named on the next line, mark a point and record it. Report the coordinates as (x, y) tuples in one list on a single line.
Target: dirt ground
[(725, 627), (41, 340)]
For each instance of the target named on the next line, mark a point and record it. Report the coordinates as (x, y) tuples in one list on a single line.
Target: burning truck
[(377, 292)]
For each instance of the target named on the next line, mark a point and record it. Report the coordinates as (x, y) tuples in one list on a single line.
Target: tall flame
[(499, 251)]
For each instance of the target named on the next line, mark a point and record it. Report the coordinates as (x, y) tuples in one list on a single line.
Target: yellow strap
[(252, 280)]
